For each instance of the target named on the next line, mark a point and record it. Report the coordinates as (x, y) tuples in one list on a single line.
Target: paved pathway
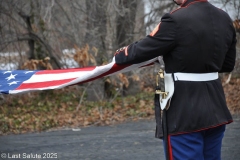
[(128, 141)]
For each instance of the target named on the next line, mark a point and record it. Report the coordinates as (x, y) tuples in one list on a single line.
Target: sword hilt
[(164, 94), (160, 85)]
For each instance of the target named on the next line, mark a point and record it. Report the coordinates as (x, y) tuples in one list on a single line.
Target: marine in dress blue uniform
[(196, 38)]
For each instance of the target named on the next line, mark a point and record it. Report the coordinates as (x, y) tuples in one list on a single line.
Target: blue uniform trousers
[(202, 145)]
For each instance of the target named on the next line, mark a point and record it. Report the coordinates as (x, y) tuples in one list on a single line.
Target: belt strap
[(198, 77)]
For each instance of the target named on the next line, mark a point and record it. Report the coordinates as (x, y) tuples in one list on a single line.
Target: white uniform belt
[(195, 76)]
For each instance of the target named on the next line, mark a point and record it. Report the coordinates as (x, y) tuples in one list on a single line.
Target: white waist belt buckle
[(195, 76)]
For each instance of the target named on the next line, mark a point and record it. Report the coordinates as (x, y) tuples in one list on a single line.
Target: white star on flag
[(14, 82), (11, 77), (7, 72), (28, 72)]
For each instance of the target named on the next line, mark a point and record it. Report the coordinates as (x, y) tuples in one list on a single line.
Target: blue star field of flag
[(10, 80)]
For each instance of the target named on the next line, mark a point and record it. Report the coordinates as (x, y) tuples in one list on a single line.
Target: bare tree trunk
[(125, 25), (97, 26), (26, 19), (125, 22), (96, 37)]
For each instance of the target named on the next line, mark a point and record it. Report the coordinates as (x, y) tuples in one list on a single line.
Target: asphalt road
[(127, 141)]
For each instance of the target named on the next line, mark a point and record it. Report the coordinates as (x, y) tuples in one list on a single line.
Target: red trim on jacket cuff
[(126, 51)]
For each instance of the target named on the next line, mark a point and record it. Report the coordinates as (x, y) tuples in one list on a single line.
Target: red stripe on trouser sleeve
[(170, 149)]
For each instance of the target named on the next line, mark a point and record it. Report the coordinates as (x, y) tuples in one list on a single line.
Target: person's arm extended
[(230, 58), (159, 42)]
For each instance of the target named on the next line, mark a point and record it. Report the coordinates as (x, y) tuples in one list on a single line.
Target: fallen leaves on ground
[(39, 111), (53, 109), (232, 93)]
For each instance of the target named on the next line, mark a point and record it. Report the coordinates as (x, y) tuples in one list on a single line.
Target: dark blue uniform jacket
[(196, 38)]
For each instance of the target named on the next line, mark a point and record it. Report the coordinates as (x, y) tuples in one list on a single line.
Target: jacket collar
[(187, 2)]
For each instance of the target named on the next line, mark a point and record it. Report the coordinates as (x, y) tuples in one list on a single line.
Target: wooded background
[(51, 34)]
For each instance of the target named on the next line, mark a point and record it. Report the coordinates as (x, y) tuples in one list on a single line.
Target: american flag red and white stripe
[(18, 81)]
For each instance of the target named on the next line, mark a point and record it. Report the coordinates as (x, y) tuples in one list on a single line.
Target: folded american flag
[(17, 81)]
